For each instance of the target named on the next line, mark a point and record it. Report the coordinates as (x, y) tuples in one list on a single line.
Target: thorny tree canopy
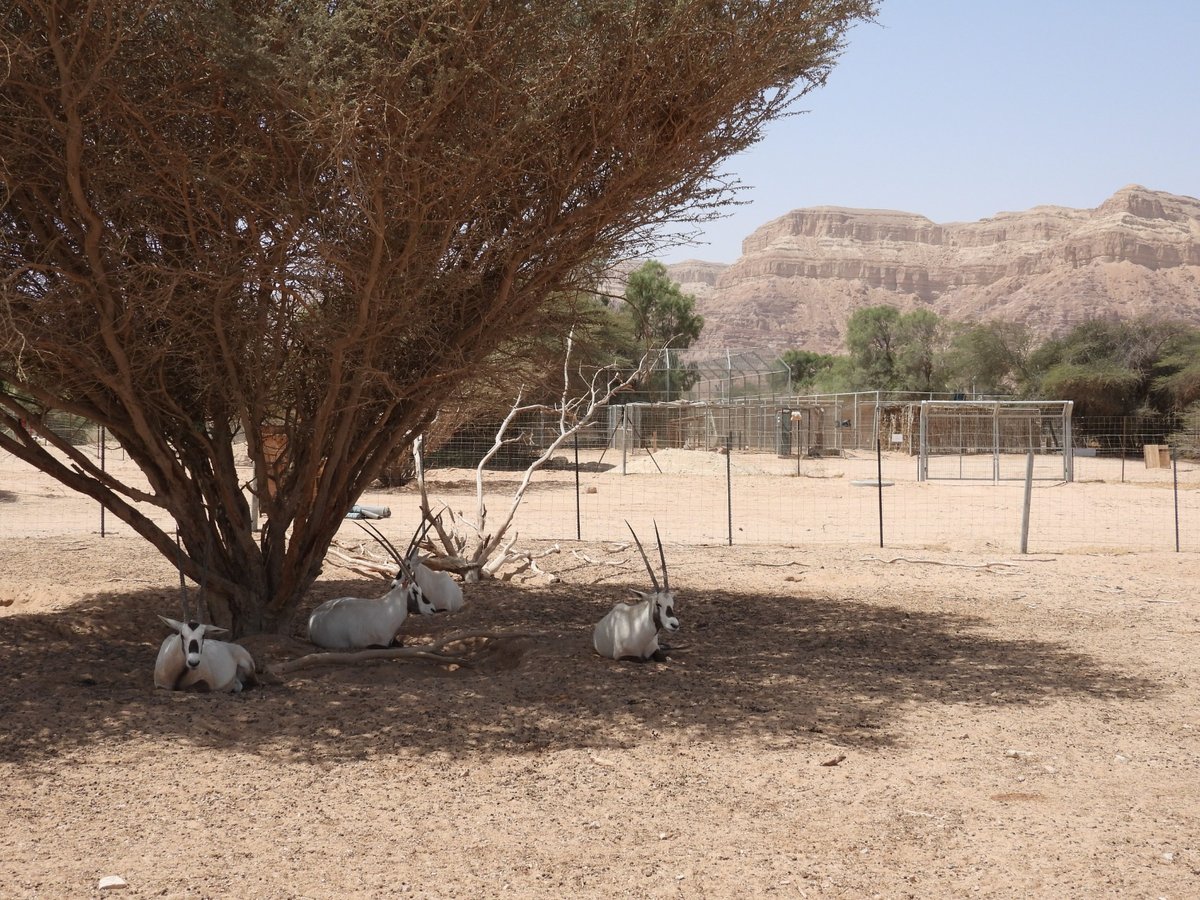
[(330, 216)]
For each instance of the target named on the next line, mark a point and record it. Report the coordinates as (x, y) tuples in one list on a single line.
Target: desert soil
[(833, 722)]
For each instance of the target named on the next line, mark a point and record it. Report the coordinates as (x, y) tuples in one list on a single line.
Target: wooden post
[(1175, 484), (1028, 498)]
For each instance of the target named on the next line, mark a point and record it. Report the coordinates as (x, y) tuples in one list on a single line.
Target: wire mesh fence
[(757, 471)]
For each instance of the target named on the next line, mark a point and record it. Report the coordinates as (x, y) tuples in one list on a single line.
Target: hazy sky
[(959, 109)]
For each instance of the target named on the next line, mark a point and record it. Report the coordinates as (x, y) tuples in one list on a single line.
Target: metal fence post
[(102, 442), (729, 484), (578, 515)]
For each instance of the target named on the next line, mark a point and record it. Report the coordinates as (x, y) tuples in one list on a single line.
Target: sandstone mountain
[(801, 276)]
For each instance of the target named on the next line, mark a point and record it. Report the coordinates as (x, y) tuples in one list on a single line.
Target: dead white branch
[(359, 563), (528, 562), (490, 548)]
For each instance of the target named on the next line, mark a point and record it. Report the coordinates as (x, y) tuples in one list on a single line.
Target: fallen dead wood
[(460, 636), (782, 565), (524, 560), (937, 562), (360, 565), (350, 657), (433, 652)]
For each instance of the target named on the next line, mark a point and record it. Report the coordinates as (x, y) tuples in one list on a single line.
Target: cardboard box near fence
[(1158, 456)]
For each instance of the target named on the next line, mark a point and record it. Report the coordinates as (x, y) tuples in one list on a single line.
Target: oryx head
[(418, 603), (662, 600), (191, 637)]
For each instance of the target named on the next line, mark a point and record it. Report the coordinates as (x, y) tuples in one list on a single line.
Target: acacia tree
[(1179, 368), (328, 217), (988, 357), (1107, 366), (873, 341), (919, 356)]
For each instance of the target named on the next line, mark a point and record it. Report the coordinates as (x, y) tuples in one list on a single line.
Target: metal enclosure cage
[(975, 440)]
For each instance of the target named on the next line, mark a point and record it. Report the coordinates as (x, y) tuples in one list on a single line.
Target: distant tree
[(987, 358), (1107, 366), (891, 351), (919, 336), (839, 377), (660, 314), (334, 220), (1098, 388), (872, 339), (1177, 377), (656, 314), (806, 368)]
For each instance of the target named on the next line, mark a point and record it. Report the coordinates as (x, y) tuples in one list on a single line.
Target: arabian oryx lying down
[(439, 588), (188, 661), (348, 623), (443, 592), (630, 630)]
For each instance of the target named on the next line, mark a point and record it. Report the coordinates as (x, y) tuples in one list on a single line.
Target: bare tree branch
[(573, 412)]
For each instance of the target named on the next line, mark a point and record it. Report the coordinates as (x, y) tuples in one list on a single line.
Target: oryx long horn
[(378, 537), (645, 559), (422, 530), (663, 557)]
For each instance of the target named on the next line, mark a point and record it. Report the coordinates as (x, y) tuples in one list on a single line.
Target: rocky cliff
[(801, 276)]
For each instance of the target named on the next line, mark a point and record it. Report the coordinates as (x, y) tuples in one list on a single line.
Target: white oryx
[(442, 591), (348, 623), (187, 660), (630, 630)]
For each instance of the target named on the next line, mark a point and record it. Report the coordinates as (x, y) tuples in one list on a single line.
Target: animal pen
[(987, 440), (810, 426)]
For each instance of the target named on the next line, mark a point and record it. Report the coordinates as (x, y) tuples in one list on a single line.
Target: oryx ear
[(641, 595), (172, 624), (214, 629)]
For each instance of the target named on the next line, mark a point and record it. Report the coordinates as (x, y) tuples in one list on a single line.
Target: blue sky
[(959, 109)]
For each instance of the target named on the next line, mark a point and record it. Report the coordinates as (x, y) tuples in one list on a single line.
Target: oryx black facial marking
[(416, 601), (192, 644), (192, 660)]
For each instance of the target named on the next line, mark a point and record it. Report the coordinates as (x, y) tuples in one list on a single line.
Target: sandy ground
[(835, 722)]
